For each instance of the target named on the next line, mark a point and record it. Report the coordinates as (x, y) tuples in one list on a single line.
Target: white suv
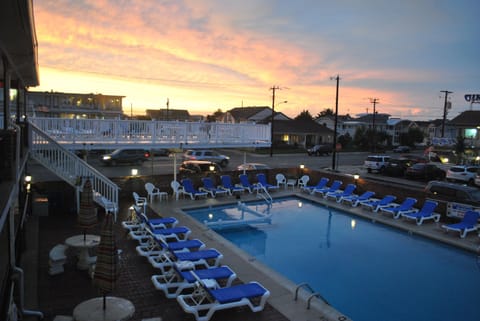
[(206, 155), (462, 173), (376, 163)]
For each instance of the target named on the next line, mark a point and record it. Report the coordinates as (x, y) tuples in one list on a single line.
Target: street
[(164, 165)]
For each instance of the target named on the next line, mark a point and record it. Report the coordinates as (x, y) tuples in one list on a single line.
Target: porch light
[(302, 166), (134, 172)]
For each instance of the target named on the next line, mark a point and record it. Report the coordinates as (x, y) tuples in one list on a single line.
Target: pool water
[(365, 270)]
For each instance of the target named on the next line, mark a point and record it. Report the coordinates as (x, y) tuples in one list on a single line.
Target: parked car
[(198, 167), (206, 155), (397, 166), (376, 163), (425, 171), (401, 149), (451, 192), (477, 178), (125, 156), (319, 150), (160, 152), (463, 173), (252, 166), (415, 158)]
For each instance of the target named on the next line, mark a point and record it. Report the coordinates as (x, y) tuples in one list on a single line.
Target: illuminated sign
[(473, 98)]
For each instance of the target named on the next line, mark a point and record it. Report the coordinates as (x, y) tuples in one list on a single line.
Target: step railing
[(311, 296), (262, 192), (68, 166)]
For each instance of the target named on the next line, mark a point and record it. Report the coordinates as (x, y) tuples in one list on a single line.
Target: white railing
[(103, 133), (68, 166)]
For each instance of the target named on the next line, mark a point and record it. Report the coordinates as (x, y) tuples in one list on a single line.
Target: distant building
[(258, 114), (71, 105), (467, 126)]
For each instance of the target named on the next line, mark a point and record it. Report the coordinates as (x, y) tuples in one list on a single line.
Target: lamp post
[(334, 153), (274, 88)]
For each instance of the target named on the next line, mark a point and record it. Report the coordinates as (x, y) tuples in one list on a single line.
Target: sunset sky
[(205, 55)]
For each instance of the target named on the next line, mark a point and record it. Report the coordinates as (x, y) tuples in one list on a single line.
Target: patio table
[(83, 243)]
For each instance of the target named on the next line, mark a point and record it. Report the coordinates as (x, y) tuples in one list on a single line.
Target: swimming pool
[(365, 270)]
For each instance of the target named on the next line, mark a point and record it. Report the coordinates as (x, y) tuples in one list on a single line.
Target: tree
[(304, 115), (364, 138), (345, 140), (460, 148), (414, 135), (216, 115), (325, 112)]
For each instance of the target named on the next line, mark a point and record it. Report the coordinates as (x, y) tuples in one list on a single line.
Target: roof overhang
[(18, 43)]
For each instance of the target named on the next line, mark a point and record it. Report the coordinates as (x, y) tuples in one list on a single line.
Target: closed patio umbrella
[(87, 213), (106, 269)]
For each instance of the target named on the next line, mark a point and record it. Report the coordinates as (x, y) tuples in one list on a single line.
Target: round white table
[(116, 309), (83, 244)]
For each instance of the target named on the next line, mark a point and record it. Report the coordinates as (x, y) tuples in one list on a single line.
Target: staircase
[(69, 167)]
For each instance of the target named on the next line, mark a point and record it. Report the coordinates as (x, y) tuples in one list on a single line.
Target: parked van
[(376, 163)]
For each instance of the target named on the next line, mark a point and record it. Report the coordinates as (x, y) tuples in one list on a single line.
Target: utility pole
[(273, 89), (446, 92), (374, 101), (168, 104), (334, 152)]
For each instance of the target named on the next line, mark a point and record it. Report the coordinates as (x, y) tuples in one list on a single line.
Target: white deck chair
[(281, 180), (153, 192), (140, 201)]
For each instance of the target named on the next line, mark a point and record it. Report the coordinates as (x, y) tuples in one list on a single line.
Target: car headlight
[(107, 157)]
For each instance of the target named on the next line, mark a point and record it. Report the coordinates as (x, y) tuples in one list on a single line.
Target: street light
[(271, 123)]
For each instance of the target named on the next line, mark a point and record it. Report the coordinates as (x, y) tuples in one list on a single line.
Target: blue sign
[(472, 98)]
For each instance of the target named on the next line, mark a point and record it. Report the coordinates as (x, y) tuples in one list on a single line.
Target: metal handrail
[(314, 294), (45, 150)]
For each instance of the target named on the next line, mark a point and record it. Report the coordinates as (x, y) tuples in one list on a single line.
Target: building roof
[(171, 114), (245, 113), (467, 118), (379, 118), (300, 126), (18, 42)]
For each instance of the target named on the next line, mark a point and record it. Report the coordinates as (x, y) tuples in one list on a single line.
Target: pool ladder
[(312, 295)]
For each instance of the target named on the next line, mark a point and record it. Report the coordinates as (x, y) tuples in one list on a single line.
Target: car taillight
[(147, 155)]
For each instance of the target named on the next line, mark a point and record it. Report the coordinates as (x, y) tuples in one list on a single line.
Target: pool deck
[(59, 294), (283, 290)]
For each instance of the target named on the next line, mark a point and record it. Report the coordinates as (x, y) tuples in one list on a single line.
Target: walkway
[(59, 294)]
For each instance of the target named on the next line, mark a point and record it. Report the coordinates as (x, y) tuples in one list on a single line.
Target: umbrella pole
[(104, 301)]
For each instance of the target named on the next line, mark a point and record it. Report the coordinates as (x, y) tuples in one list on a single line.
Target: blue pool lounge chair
[(205, 258), (348, 191), (189, 190), (210, 188), (333, 188), (227, 184), (321, 184), (173, 284), (376, 204), (354, 199), (206, 301), (397, 210), (142, 234), (157, 245), (135, 221), (427, 212), (469, 223), (245, 183), (262, 182)]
